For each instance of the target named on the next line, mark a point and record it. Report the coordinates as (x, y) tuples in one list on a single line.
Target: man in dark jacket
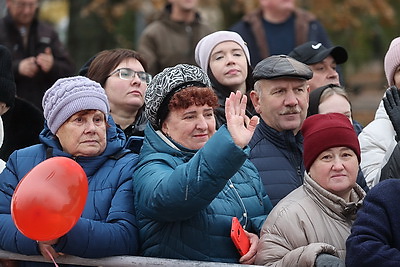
[(39, 58), (280, 96), (277, 27)]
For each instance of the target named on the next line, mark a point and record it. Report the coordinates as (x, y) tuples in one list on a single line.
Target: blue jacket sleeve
[(170, 192), (374, 238)]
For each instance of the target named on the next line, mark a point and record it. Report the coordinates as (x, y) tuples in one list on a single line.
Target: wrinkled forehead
[(282, 82)]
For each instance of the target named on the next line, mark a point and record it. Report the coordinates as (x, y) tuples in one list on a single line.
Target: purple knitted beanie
[(70, 95), (392, 60)]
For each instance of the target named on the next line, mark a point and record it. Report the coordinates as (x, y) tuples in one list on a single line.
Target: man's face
[(22, 11), (282, 103), (324, 73)]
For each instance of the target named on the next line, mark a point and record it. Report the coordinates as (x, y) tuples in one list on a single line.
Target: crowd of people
[(252, 123)]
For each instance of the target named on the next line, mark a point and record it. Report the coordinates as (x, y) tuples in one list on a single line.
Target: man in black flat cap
[(322, 61), (280, 97)]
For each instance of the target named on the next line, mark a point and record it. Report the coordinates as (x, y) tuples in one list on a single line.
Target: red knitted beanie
[(324, 131)]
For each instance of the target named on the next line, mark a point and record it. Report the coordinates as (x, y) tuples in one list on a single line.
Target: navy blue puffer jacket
[(185, 200), (278, 157), (107, 226)]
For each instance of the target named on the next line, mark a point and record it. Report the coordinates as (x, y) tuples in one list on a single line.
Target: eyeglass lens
[(127, 74)]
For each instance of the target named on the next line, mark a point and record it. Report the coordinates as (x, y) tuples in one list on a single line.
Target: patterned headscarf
[(165, 84)]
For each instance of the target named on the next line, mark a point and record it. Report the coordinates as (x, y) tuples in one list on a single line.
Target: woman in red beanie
[(309, 227)]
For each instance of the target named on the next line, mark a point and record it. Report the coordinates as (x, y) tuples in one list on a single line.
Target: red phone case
[(239, 237)]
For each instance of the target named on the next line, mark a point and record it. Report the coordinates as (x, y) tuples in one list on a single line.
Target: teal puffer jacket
[(185, 200)]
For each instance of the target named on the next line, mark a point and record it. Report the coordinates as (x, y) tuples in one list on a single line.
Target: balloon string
[(51, 256)]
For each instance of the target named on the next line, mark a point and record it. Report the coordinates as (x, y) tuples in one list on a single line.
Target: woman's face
[(336, 169), (228, 64), (84, 134), (191, 127), (336, 103), (126, 94)]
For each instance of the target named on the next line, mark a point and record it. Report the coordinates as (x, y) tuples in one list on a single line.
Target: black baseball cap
[(313, 52), (279, 66)]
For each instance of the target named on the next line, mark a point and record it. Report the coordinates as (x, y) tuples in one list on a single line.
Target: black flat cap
[(314, 52), (280, 66)]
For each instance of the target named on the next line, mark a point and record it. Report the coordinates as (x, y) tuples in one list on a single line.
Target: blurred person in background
[(171, 39), (277, 27), (39, 58)]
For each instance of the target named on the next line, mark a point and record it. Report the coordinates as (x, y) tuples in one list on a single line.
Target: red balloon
[(49, 200)]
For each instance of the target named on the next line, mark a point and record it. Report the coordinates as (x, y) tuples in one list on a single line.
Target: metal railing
[(118, 261)]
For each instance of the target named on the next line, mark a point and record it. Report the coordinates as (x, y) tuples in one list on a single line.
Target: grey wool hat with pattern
[(165, 84)]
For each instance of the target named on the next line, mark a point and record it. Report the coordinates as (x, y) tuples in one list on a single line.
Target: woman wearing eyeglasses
[(122, 73)]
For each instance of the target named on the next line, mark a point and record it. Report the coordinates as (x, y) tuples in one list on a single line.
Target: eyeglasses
[(129, 74)]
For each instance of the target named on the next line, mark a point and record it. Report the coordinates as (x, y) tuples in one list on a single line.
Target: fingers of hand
[(389, 98), (237, 98), (253, 123), (243, 103), (228, 107)]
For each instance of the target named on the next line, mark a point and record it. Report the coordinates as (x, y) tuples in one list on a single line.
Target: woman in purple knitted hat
[(78, 126)]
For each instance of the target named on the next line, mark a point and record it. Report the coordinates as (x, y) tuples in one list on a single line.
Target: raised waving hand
[(239, 125)]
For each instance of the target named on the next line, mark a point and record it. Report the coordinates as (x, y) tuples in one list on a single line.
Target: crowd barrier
[(118, 261)]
